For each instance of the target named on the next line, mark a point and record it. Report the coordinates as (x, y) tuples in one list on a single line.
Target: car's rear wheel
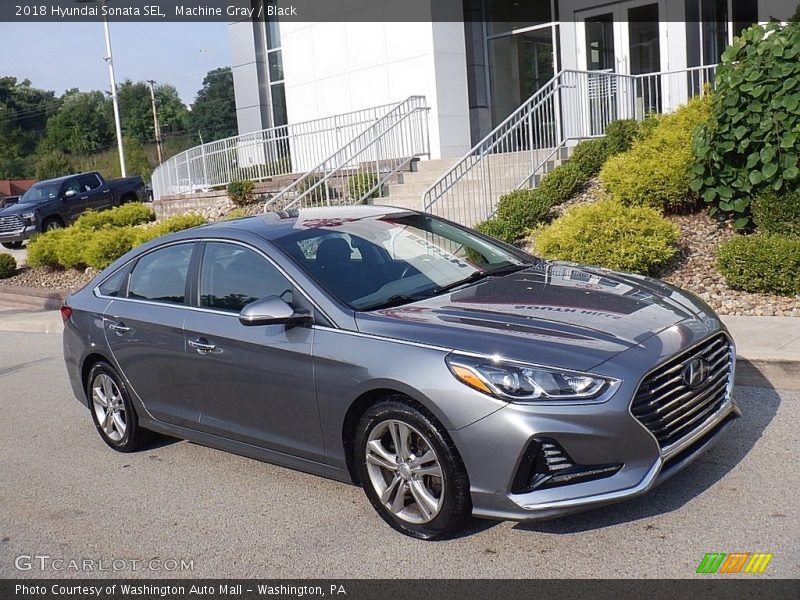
[(112, 410), (411, 471)]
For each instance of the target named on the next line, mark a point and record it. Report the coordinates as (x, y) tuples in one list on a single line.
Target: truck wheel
[(51, 224), (12, 245)]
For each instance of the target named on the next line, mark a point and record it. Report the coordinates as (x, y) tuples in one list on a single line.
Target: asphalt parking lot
[(64, 494)]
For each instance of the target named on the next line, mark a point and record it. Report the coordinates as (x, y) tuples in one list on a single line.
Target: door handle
[(118, 327), (203, 346), (84, 197)]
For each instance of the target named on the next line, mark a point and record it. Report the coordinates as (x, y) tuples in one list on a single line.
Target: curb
[(776, 374), (31, 298)]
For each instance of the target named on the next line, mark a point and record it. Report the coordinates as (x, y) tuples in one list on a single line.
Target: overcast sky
[(58, 56)]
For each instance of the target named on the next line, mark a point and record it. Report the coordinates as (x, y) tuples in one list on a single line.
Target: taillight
[(66, 313)]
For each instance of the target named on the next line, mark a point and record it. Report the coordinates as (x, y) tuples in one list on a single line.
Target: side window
[(89, 183), (160, 276), (115, 285), (232, 276)]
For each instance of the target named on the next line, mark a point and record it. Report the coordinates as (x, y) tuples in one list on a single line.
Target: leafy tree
[(752, 141), (136, 110), (84, 123), (52, 163), (214, 110), (24, 111)]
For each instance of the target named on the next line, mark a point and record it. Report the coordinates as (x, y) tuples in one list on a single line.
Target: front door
[(623, 39), (255, 384)]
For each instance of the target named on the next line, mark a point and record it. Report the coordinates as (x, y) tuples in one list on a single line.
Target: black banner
[(441, 589), (513, 13)]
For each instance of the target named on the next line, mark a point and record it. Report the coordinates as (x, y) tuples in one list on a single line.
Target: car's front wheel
[(411, 471), (112, 411), (12, 245)]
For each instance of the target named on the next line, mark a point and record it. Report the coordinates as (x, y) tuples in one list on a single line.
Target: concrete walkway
[(768, 347)]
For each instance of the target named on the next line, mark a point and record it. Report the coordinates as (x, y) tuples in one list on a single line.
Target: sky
[(59, 56)]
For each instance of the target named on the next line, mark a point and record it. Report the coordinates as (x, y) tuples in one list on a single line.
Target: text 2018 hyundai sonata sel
[(448, 373)]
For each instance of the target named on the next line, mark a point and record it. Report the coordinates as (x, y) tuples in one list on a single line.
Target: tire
[(416, 501), (12, 245), (51, 224), (121, 432)]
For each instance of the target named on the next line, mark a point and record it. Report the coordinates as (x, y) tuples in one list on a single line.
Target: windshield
[(375, 262), (41, 191)]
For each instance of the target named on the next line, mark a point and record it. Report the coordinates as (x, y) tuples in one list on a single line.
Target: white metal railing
[(359, 169), (574, 105), (261, 154)]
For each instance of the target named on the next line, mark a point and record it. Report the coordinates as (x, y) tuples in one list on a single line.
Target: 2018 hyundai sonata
[(447, 373)]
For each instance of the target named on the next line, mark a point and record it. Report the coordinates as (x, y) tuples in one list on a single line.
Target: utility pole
[(110, 60), (156, 126)]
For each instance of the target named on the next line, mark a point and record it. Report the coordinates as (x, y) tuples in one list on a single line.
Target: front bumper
[(591, 434), (19, 235)]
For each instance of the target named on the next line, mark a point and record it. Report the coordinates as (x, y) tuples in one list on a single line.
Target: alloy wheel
[(109, 407), (405, 471)]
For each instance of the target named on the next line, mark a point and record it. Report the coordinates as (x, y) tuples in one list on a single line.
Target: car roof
[(275, 225), (60, 179)]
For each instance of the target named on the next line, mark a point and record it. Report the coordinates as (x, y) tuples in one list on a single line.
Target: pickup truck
[(55, 203)]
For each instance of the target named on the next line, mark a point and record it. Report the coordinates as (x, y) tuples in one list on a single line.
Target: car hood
[(552, 313), (19, 208)]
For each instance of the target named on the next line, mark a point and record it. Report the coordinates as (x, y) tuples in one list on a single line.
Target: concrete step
[(31, 298), (439, 165)]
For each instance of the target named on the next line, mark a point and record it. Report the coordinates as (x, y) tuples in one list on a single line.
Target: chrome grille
[(671, 409), (11, 224)]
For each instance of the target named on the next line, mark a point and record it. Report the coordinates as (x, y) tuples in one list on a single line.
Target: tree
[(136, 110), (214, 110), (24, 111), (52, 163), (83, 123)]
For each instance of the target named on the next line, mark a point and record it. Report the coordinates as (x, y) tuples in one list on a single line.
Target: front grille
[(669, 407), (11, 224)]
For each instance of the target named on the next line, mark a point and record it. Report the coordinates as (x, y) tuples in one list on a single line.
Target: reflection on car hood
[(553, 313)]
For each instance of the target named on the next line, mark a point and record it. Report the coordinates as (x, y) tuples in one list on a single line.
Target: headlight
[(523, 383)]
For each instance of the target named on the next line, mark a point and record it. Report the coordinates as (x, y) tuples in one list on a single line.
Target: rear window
[(160, 276)]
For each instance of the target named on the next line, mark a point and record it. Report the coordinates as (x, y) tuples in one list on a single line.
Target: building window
[(275, 69)]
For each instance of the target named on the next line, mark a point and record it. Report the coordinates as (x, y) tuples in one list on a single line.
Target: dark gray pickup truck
[(55, 203)]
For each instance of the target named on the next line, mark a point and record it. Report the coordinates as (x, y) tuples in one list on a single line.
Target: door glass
[(160, 276), (88, 183), (232, 277), (600, 43), (645, 57), (519, 65)]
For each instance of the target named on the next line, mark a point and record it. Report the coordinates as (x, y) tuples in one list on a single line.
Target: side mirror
[(271, 311), (70, 193)]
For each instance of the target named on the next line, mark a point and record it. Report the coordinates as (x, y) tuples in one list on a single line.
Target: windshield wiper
[(478, 275), (396, 300)]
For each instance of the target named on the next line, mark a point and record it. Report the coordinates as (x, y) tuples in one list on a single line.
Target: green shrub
[(107, 245), (761, 263), (236, 213), (611, 235), (655, 172), (241, 192), (167, 226), (360, 183), (132, 213), (620, 135), (524, 209), (752, 141), (43, 249), (778, 212), (588, 157), (8, 265)]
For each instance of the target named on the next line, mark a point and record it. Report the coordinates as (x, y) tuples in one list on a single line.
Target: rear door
[(144, 330), (255, 383), (94, 192)]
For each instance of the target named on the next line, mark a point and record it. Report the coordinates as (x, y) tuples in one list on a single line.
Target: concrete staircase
[(507, 170)]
